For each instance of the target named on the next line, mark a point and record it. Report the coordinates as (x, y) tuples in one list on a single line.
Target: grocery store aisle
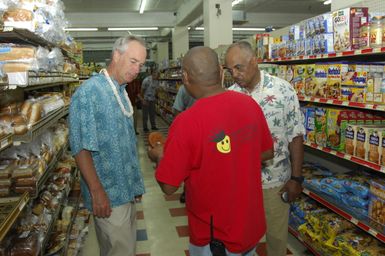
[(162, 221)]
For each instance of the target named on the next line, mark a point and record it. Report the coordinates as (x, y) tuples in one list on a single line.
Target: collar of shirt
[(257, 88)]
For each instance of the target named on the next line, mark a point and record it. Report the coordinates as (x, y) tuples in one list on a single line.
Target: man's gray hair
[(121, 44), (243, 45)]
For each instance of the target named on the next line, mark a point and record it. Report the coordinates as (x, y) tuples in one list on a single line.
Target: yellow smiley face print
[(224, 146)]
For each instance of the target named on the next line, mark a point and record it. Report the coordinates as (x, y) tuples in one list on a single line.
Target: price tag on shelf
[(329, 101), (4, 143), (354, 221), (345, 103), (21, 207), (347, 157), (372, 232), (376, 50), (357, 52), (382, 169)]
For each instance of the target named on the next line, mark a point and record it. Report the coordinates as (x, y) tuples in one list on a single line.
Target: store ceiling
[(164, 14)]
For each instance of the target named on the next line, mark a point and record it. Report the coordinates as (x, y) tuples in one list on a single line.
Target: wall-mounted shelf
[(347, 157), (334, 102)]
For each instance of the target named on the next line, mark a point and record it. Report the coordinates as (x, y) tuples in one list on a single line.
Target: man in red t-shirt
[(216, 147)]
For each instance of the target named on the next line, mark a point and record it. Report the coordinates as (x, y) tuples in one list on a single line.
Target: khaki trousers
[(277, 220), (117, 234)]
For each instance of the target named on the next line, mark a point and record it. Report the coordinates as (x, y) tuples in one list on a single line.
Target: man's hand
[(155, 153), (100, 203), (293, 189)]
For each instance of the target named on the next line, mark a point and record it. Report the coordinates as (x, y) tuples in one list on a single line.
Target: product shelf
[(55, 217), (170, 79), (6, 141), (361, 52), (348, 157), (303, 241), (24, 36), (359, 223), (335, 102), (39, 127), (47, 173), (174, 91), (11, 207)]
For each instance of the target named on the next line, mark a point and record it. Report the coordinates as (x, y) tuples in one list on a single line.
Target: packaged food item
[(320, 126), (376, 31), (320, 79), (309, 119), (347, 24), (309, 79), (337, 121), (16, 52), (377, 204)]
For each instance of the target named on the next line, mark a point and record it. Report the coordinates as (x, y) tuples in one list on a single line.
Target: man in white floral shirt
[(280, 106)]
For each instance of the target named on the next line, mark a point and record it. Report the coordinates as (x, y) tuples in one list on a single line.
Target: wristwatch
[(298, 179)]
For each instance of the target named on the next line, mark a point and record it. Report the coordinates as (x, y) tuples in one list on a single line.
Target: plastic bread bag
[(13, 52), (42, 58), (26, 244), (335, 183), (56, 59), (350, 199)]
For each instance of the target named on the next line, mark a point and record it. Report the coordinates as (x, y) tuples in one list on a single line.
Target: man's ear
[(115, 56), (185, 77), (221, 74)]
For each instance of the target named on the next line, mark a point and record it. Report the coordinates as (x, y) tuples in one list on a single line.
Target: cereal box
[(309, 79), (374, 145), (334, 80), (337, 121), (364, 134), (320, 80), (320, 126), (309, 121), (298, 81), (347, 24), (350, 138)]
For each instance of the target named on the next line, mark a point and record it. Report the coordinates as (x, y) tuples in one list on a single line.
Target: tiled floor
[(162, 222)]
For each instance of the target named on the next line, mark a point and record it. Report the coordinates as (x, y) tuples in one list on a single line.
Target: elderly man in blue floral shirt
[(103, 141)]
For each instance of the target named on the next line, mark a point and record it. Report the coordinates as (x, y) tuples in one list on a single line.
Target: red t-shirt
[(215, 147)]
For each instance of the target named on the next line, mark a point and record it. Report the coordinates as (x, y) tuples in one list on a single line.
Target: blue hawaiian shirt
[(98, 125), (280, 105)]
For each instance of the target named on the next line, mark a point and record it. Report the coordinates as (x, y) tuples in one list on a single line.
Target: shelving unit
[(359, 161), (303, 241), (6, 142), (328, 56), (342, 103), (12, 207), (39, 127), (342, 212)]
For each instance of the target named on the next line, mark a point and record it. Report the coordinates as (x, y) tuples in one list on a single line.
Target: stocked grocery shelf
[(166, 108), (11, 208), (39, 127), (47, 173), (171, 79), (24, 36), (361, 52), (335, 102), (303, 241), (348, 157), (32, 80), (359, 223), (6, 141), (55, 217), (166, 100)]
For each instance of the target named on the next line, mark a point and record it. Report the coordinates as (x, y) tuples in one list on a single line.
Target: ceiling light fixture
[(81, 29), (142, 5), (327, 2), (199, 28), (137, 28), (248, 29), (235, 2)]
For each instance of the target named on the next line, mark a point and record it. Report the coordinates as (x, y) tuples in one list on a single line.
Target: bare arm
[(296, 155), (167, 189), (267, 155), (100, 201), (293, 187)]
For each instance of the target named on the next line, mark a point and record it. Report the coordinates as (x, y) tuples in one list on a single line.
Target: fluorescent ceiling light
[(142, 5), (81, 29), (327, 2), (137, 28), (248, 29), (235, 2), (199, 28)]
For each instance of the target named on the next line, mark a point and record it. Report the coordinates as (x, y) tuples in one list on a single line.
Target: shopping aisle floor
[(162, 221)]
